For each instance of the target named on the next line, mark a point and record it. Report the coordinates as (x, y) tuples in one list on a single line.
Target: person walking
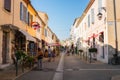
[(40, 57), (49, 54), (53, 54), (46, 53)]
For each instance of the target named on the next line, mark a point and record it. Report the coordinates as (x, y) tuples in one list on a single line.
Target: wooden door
[(4, 47)]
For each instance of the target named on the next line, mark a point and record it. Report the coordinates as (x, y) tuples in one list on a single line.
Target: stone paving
[(10, 74)]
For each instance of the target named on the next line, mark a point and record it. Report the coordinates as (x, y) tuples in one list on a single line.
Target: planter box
[(92, 50)]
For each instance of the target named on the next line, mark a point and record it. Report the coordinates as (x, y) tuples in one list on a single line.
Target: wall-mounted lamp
[(100, 14)]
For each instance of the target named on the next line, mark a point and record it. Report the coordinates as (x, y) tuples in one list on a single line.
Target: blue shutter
[(21, 11), (24, 14)]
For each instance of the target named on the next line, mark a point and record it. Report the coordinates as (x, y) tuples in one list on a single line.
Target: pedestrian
[(49, 54), (53, 54), (40, 57), (46, 53)]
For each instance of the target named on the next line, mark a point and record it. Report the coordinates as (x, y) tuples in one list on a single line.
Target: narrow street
[(72, 68), (34, 31)]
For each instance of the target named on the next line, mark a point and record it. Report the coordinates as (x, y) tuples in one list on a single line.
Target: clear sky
[(61, 13)]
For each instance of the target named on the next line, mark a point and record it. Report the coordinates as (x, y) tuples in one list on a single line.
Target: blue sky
[(61, 13)]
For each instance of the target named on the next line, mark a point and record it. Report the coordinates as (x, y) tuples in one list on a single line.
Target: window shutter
[(99, 5), (31, 19), (92, 16), (24, 14), (7, 5), (88, 20), (21, 11), (28, 18)]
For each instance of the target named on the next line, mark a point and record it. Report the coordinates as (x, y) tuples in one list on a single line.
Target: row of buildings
[(24, 27), (98, 27)]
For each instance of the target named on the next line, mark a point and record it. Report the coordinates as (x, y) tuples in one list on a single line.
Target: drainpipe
[(115, 28), (13, 14)]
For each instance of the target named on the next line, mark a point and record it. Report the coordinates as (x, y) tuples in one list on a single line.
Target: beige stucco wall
[(43, 16), (110, 20), (118, 22), (12, 17), (22, 25), (5, 16)]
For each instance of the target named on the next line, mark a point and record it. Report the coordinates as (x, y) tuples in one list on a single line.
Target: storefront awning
[(28, 36), (37, 39), (53, 44)]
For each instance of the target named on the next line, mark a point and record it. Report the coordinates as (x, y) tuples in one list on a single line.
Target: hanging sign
[(35, 25)]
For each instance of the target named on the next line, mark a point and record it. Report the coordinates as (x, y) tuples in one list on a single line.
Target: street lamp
[(100, 14)]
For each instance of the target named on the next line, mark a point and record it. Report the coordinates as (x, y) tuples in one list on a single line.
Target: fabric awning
[(28, 36), (37, 39), (54, 44)]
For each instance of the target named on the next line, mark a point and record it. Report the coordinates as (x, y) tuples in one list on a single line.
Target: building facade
[(99, 25), (21, 26)]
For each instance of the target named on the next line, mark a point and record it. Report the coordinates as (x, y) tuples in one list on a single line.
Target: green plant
[(92, 49), (28, 61), (20, 54)]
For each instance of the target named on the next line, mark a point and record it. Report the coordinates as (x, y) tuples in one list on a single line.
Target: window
[(88, 20), (94, 42), (45, 32), (23, 13), (101, 37), (30, 19), (7, 5), (52, 37), (92, 16)]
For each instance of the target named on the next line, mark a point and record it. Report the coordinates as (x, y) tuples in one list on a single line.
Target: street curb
[(117, 77)]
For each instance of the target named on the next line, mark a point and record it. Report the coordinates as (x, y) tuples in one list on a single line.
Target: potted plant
[(92, 50), (80, 50)]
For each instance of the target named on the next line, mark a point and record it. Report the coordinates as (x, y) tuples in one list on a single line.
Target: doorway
[(5, 48)]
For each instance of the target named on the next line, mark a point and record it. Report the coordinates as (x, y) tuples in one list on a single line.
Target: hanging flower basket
[(92, 50)]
